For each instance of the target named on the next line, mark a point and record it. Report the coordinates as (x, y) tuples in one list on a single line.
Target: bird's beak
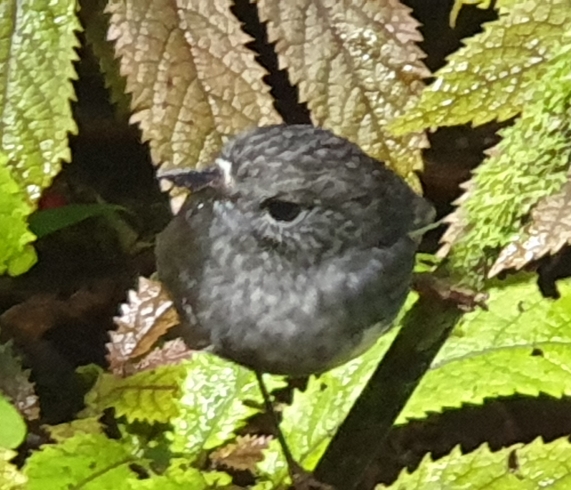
[(194, 180)]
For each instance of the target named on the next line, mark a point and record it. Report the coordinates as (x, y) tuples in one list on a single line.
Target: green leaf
[(37, 51), (151, 396), (89, 462), (522, 344), (180, 476), (212, 407), (312, 419), (48, 221), (10, 476), (530, 163), (495, 75), (16, 253), (13, 428), (519, 467), (66, 430)]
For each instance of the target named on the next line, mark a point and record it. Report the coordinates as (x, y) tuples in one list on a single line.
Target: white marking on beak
[(226, 167)]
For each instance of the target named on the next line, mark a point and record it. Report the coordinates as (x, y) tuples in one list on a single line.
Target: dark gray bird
[(293, 253)]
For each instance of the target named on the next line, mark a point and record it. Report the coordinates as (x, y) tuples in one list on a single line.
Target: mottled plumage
[(293, 254)]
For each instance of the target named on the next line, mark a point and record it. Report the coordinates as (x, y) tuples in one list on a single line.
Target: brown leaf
[(172, 352), (357, 66), (457, 222), (192, 80), (28, 321), (15, 383), (241, 455), (147, 316), (547, 232)]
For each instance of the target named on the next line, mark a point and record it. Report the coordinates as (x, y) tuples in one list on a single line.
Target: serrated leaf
[(312, 419), (89, 462), (96, 24), (357, 65), (144, 319), (151, 396), (519, 467), (13, 428), (212, 407), (61, 432), (37, 51), (522, 344), (495, 75), (10, 476), (16, 253), (501, 5), (241, 455), (180, 476), (529, 164), (171, 352), (15, 383), (191, 78), (548, 231)]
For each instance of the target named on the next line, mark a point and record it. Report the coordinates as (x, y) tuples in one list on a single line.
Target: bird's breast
[(271, 315)]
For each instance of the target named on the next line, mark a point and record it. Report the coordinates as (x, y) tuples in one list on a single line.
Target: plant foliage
[(516, 66), (165, 417), (37, 42)]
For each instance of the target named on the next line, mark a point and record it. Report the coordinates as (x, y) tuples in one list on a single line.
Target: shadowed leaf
[(15, 383), (96, 26)]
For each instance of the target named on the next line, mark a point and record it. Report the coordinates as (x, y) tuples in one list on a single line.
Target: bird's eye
[(282, 210)]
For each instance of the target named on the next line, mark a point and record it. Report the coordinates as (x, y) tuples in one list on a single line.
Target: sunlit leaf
[(37, 51), (212, 407), (241, 455), (13, 428), (547, 232), (522, 344), (16, 252), (495, 75), (518, 467), (10, 476), (151, 396), (530, 164), (191, 79), (90, 462), (357, 65), (144, 319)]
